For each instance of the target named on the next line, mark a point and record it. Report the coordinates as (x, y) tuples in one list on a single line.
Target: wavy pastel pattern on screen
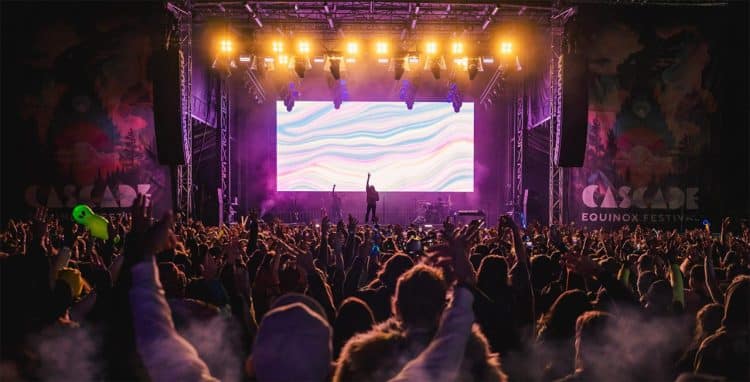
[(427, 149)]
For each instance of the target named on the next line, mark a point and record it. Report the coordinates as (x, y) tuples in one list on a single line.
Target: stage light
[(488, 60), (381, 48), (382, 60), (435, 65), (413, 59), (352, 48), (283, 60), (455, 97), (319, 60), (408, 93), (301, 64), (225, 46), (435, 69), (431, 47), (244, 58), (473, 67), (457, 48), (334, 66), (351, 60), (303, 47), (506, 47), (277, 47), (290, 94), (463, 62), (399, 67), (494, 10), (268, 59)]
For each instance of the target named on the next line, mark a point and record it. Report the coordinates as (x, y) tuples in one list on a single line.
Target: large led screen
[(427, 149)]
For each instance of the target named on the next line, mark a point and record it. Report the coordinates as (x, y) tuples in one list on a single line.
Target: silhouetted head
[(372, 188), (354, 316), (393, 269), (420, 297), (592, 341), (492, 275), (707, 321), (737, 304), (560, 321)]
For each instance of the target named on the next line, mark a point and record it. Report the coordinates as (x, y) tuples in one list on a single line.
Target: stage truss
[(333, 20), (184, 173)]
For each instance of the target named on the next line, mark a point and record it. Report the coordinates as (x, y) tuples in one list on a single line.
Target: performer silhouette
[(372, 199), (336, 213)]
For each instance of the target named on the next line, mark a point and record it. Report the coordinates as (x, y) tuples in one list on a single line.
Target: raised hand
[(352, 226), (453, 256), (39, 225), (210, 267), (141, 214), (325, 225), (583, 265), (448, 227)]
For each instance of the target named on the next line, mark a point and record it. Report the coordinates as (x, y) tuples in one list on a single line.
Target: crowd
[(176, 300)]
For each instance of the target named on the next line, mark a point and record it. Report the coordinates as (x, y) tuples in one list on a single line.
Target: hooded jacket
[(382, 353)]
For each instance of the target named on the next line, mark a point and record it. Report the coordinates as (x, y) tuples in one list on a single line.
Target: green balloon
[(83, 215)]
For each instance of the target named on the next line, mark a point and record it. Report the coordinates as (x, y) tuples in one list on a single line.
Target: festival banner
[(652, 105), (86, 110)]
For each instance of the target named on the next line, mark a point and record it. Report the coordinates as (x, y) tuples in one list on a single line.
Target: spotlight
[(277, 47), (457, 48), (506, 47), (225, 46), (381, 48), (283, 60), (352, 48), (431, 47), (303, 47)]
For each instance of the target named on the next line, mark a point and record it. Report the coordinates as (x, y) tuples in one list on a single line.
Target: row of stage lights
[(431, 55)]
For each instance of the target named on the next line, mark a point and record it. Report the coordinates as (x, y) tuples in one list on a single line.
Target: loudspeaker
[(165, 72), (574, 110)]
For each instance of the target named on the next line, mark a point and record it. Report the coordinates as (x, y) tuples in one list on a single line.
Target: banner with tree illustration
[(652, 105), (83, 130)]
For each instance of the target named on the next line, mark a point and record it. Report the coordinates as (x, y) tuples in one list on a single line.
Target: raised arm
[(710, 274), (367, 185), (333, 191)]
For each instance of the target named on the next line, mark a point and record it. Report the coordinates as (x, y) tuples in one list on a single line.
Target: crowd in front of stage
[(176, 300)]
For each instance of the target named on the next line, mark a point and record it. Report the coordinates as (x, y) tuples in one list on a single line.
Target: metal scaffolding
[(518, 144), (556, 174), (184, 177), (225, 172)]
